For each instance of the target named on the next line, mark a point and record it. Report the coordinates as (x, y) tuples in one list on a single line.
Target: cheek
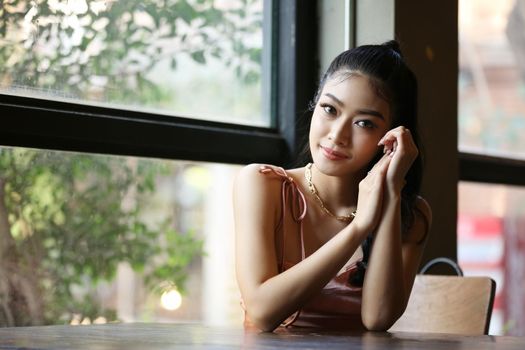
[(367, 143), (316, 128)]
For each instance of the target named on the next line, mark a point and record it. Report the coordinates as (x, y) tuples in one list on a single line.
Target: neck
[(339, 193)]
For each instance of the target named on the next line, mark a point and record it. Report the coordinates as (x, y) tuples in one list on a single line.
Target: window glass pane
[(491, 77), (90, 238), (491, 242), (193, 58)]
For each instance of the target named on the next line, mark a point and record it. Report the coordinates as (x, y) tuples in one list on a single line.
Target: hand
[(370, 198), (398, 145)]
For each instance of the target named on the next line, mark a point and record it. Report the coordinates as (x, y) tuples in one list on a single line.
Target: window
[(105, 127), (98, 238), (89, 116), (490, 243), (202, 59), (492, 153), (492, 53)]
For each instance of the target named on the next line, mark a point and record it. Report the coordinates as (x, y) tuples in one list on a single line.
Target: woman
[(336, 244)]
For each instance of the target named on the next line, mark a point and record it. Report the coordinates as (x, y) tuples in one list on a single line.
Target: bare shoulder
[(423, 210), (249, 172), (420, 228), (252, 177), (256, 191)]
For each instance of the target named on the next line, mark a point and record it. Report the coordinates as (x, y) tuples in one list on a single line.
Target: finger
[(380, 161), (381, 171), (382, 168), (389, 137), (388, 142), (405, 143), (385, 159), (397, 140), (388, 145), (393, 134)]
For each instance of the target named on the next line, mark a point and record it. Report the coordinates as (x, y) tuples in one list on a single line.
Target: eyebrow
[(370, 112)]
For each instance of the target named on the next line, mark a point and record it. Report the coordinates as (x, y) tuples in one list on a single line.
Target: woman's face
[(348, 121)]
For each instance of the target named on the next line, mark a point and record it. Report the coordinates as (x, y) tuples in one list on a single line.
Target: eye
[(367, 124), (328, 109)]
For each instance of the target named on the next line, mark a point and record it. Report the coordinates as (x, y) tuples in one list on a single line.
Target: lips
[(332, 154)]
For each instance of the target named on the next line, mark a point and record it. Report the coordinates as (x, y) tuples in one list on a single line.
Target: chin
[(331, 167)]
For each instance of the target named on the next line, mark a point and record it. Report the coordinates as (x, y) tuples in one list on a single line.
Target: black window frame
[(57, 125), (482, 168)]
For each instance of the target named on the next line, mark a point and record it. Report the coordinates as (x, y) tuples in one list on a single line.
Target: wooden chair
[(448, 304)]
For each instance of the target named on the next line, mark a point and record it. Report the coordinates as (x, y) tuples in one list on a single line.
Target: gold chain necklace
[(313, 190)]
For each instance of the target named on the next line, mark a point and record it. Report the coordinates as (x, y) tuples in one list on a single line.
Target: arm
[(271, 297), (393, 263)]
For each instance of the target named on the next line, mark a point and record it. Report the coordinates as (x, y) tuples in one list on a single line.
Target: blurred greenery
[(67, 220), (103, 50)]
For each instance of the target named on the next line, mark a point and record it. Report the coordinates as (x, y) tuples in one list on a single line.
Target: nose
[(340, 132)]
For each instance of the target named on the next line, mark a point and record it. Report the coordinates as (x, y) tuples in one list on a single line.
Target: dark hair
[(396, 83)]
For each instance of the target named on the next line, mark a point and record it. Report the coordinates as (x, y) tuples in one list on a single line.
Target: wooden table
[(186, 336)]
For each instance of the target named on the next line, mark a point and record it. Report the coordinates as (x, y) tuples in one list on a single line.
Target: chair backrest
[(448, 304)]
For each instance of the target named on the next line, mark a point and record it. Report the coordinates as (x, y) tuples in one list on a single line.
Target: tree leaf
[(198, 56)]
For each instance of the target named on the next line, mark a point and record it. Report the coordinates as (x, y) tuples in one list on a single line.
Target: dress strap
[(297, 205)]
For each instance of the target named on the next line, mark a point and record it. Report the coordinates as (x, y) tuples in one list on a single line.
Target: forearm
[(272, 301), (384, 293)]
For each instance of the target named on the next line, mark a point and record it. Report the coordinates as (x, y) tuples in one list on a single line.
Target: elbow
[(377, 324), (262, 318), (263, 325), (262, 322), (381, 321)]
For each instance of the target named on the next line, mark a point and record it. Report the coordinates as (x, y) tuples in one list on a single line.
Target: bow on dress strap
[(298, 202)]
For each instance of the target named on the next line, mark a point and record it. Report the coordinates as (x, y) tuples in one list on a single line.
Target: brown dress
[(338, 305)]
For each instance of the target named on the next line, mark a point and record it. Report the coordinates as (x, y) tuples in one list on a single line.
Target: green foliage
[(173, 270), (103, 50), (75, 217)]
